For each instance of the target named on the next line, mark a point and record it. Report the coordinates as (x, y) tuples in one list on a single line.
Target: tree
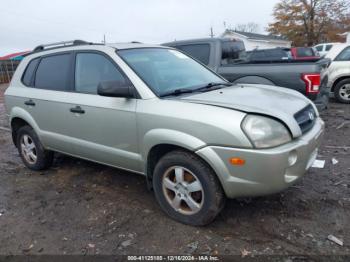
[(249, 27), (308, 22)]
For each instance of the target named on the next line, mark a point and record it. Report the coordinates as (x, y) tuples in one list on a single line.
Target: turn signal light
[(236, 161)]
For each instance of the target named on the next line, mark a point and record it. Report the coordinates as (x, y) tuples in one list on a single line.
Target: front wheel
[(342, 91), (187, 189)]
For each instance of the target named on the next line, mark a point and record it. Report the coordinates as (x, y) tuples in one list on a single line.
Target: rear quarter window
[(53, 72), (28, 76)]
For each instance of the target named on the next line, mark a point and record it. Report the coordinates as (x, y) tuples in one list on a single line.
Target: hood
[(278, 102)]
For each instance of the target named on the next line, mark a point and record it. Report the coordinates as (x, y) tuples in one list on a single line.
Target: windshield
[(167, 70)]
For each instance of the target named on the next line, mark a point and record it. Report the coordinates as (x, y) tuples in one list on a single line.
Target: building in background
[(257, 41), (15, 56), (347, 36), (8, 65)]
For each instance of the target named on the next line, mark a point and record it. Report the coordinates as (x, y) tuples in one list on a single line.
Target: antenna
[(211, 32)]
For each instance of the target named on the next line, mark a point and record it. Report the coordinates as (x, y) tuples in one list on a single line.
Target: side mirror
[(115, 89)]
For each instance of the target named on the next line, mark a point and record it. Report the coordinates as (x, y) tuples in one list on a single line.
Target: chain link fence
[(7, 69)]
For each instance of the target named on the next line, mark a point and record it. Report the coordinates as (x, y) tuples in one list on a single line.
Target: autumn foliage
[(308, 22)]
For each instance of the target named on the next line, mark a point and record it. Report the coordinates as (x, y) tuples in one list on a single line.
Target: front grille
[(306, 118)]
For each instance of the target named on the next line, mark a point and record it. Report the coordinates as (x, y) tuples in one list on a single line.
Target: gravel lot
[(78, 207)]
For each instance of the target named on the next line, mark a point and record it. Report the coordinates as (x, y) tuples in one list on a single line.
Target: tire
[(205, 203), (32, 152), (342, 91)]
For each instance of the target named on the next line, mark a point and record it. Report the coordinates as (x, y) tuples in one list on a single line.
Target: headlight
[(265, 132)]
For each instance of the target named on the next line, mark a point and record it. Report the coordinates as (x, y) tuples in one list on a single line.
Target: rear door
[(47, 100)]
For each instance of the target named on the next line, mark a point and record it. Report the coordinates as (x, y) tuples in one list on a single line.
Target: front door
[(103, 128)]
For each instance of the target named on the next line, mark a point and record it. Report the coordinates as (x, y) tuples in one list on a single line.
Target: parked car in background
[(338, 73), (157, 112), (304, 53), (286, 54), (268, 55), (323, 49), (228, 58)]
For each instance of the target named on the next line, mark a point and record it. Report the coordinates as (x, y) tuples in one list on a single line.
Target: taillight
[(313, 82)]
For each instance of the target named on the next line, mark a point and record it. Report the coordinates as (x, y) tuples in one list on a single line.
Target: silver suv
[(157, 112)]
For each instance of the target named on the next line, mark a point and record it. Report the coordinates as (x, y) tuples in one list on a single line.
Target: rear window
[(305, 52), (198, 51), (232, 52), (27, 78), (52, 72)]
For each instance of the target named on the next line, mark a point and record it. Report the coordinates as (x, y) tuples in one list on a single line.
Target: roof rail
[(61, 44)]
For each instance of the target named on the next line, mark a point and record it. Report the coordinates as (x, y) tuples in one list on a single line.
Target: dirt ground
[(78, 207)]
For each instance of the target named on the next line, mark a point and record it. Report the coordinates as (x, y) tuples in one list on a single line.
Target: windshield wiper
[(177, 92), (211, 85), (208, 87)]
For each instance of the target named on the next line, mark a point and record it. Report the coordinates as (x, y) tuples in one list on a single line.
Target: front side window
[(199, 51), (91, 69), (344, 55), (53, 72), (165, 70), (29, 72)]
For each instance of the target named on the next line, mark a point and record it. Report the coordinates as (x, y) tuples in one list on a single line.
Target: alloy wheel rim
[(183, 190), (344, 92), (28, 149)]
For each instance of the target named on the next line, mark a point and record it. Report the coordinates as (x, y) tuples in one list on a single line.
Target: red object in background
[(304, 53), (14, 55)]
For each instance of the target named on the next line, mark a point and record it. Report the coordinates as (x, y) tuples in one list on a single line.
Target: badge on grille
[(311, 116)]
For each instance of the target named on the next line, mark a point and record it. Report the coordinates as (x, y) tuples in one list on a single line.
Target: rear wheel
[(342, 91), (33, 154), (187, 189)]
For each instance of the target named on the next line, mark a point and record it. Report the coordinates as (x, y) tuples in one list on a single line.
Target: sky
[(27, 23)]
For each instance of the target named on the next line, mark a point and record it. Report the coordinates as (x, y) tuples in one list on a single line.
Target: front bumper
[(266, 171)]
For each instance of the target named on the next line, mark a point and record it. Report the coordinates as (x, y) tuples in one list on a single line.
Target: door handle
[(77, 110), (29, 102)]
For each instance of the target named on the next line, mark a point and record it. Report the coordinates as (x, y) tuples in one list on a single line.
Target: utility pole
[(211, 32), (104, 39)]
